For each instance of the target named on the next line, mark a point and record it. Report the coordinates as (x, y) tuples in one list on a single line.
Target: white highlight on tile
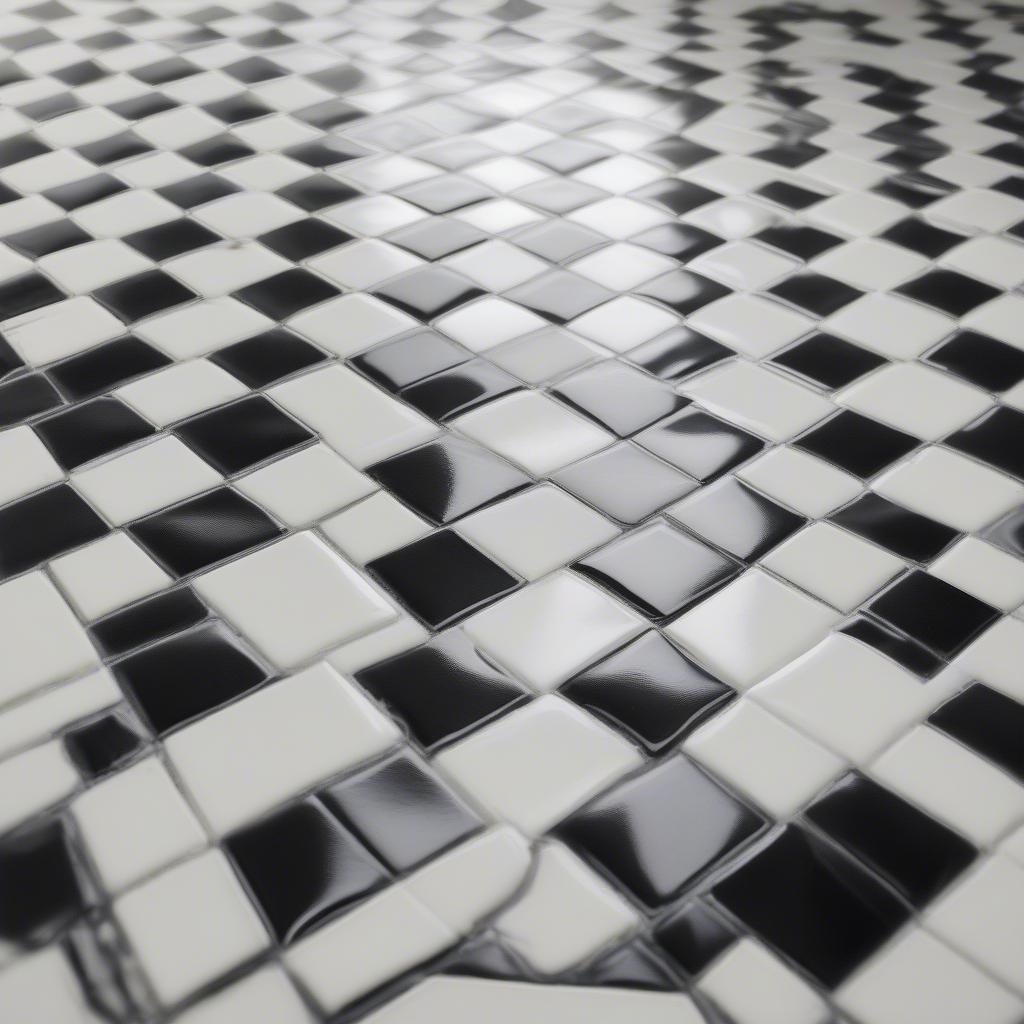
[(32, 781)]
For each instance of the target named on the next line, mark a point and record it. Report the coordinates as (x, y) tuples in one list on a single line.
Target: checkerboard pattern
[(511, 511)]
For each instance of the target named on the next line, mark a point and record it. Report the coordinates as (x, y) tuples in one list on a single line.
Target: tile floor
[(511, 511)]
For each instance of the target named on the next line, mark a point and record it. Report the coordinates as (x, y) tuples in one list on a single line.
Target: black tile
[(813, 903), (683, 291), (161, 72), (981, 360), (559, 295), (1008, 533), (172, 239), (218, 150), (486, 957), (16, 148), (436, 237), (453, 392), (106, 366), (949, 291), (472, 580), (146, 105), (858, 444), (304, 238), (114, 148), (237, 109), (401, 810), (816, 294), (445, 193), (650, 690), (302, 865), (9, 359), (700, 444), (26, 397), (442, 689), (803, 242), (316, 192), (285, 294), (558, 195), (204, 530), (791, 196), (102, 745), (153, 619), (268, 357), (328, 114), (676, 196), (632, 966), (915, 853), (694, 936), (933, 612), (253, 69), (192, 192), (427, 292), (559, 240), (658, 569), (39, 889), (142, 295), (898, 529), (237, 436), (901, 649), (997, 438), (683, 241), (43, 526), (448, 478), (85, 432), (625, 482), (397, 364), (618, 397), (921, 237), (679, 352), (828, 360), (25, 293), (85, 191), (988, 722), (52, 237), (182, 678), (325, 152), (658, 831)]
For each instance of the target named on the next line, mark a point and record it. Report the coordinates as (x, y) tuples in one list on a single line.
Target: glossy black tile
[(619, 398), (48, 238), (237, 109), (304, 238), (858, 444), (427, 292), (401, 810), (981, 360), (487, 957), (472, 579), (656, 832), (922, 237), (325, 152), (202, 531), (9, 359), (407, 360), (268, 357), (997, 438), (1008, 533), (625, 482), (153, 619), (903, 532), (172, 239), (436, 237), (658, 569), (683, 291), (649, 690), (448, 478), (677, 196), (25, 293), (793, 197), (237, 436), (987, 721), (302, 865), (453, 392), (287, 293), (678, 353), (103, 368), (683, 241), (949, 291), (813, 903), (933, 612), (901, 649), (915, 853), (44, 525), (217, 150), (803, 242), (559, 295), (828, 360), (25, 397), (142, 295), (700, 444), (182, 678), (816, 294), (83, 433), (103, 744), (632, 966), (192, 192), (694, 936), (317, 192)]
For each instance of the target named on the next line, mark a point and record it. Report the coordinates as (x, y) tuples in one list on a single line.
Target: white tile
[(743, 265), (757, 399), (32, 781), (565, 913), (190, 925), (398, 636), (536, 764), (220, 269), (997, 261), (952, 784), (833, 565), (380, 939), (42, 988), (61, 329), (620, 265), (533, 430), (869, 263), (624, 323), (371, 216), (544, 355), (978, 209), (952, 488), (999, 318), (764, 758), (40, 637), (618, 217), (463, 1000), (916, 399), (364, 263), (25, 464), (202, 327), (266, 996), (107, 574), (848, 697), (125, 213), (145, 479), (247, 214), (134, 823), (731, 218), (857, 213), (83, 268), (754, 987), (547, 631), (801, 481), (374, 527), (360, 421), (306, 486), (750, 324), (488, 322), (777, 624), (349, 323), (982, 917), (893, 326), (995, 657), (295, 598), (181, 390), (537, 531)]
